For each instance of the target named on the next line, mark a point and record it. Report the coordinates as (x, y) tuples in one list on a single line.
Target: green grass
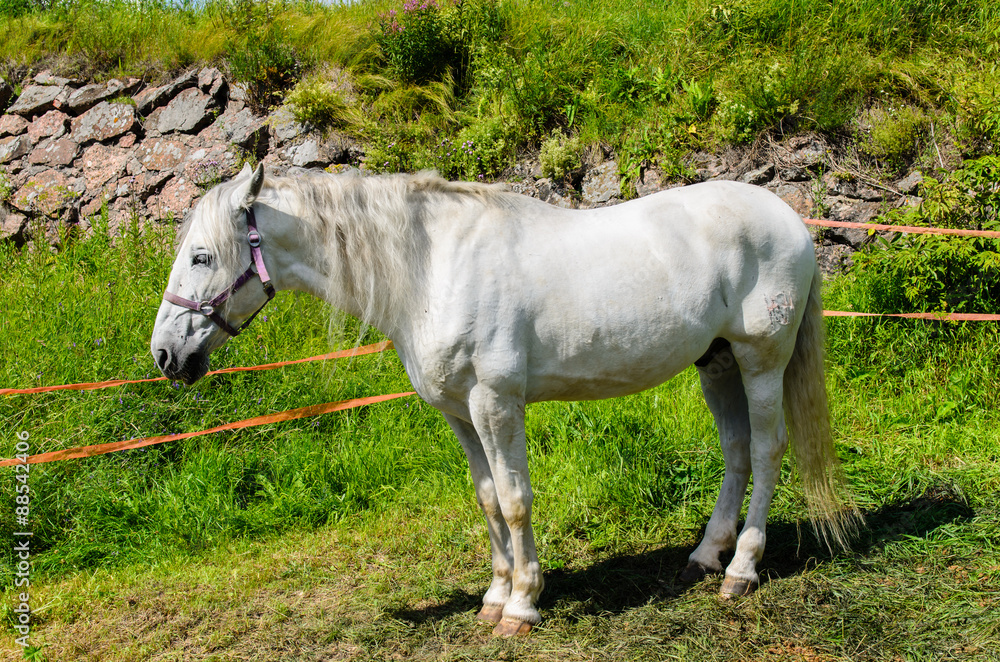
[(356, 534)]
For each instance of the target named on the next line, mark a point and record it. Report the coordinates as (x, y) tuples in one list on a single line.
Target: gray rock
[(88, 96), (13, 125), (38, 99), (305, 154), (525, 187), (154, 97), (207, 166), (188, 112), (834, 258), (760, 176), (798, 197), (13, 226), (52, 124), (242, 128), (794, 174), (101, 164), (555, 194), (58, 152), (212, 83), (103, 122), (651, 182), (49, 193), (160, 154), (150, 183), (868, 194), (837, 185), (177, 197), (284, 127), (238, 92), (601, 184), (529, 169), (851, 211), (13, 147), (48, 78), (708, 167), (911, 183), (807, 151), (341, 149)]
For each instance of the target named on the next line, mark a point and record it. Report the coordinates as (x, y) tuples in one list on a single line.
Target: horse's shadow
[(625, 581)]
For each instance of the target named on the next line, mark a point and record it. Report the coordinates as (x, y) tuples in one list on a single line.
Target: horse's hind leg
[(762, 368), (486, 494), (723, 388)]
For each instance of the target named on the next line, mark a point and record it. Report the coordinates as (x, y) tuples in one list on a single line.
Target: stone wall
[(69, 149)]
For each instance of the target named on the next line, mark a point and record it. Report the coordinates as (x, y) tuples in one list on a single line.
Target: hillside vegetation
[(650, 80), (356, 535)]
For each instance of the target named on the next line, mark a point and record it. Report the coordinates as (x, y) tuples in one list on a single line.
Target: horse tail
[(808, 418)]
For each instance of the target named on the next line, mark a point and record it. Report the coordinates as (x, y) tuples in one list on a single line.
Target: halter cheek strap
[(256, 268)]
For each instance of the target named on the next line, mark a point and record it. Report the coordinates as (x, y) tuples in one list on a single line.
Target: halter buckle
[(254, 238), (206, 309)]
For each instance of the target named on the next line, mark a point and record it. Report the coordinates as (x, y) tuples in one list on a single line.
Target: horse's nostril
[(162, 359)]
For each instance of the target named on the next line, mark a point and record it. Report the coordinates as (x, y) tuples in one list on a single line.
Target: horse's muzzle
[(189, 370)]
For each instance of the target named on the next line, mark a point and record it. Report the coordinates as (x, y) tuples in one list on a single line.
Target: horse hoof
[(694, 572), (736, 588), (510, 627), (490, 614)]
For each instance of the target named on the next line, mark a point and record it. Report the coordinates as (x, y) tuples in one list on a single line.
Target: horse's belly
[(606, 372)]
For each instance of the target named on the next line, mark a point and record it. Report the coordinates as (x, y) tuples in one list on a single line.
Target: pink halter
[(256, 268)]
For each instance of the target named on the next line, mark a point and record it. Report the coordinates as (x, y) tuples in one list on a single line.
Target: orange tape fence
[(911, 229), (317, 410), (357, 351), (289, 415)]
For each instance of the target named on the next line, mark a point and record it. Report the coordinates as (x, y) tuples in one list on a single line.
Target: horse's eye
[(201, 258)]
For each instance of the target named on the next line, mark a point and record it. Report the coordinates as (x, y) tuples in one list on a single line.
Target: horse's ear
[(253, 187), (246, 172)]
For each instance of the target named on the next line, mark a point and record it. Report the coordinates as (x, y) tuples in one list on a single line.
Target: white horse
[(494, 300)]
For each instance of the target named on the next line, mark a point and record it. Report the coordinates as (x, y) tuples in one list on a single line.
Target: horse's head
[(212, 294)]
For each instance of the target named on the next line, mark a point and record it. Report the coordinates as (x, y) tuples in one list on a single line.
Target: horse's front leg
[(499, 420), (486, 495)]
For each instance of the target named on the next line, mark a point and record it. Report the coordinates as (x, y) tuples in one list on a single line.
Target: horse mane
[(368, 230)]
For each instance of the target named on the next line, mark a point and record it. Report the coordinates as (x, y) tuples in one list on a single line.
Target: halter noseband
[(256, 268)]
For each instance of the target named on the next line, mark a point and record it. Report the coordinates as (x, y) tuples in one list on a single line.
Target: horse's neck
[(373, 265)]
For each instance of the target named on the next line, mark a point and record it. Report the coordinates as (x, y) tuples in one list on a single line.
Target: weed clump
[(559, 156), (894, 134), (318, 103)]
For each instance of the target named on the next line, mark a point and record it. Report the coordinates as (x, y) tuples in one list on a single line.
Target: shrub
[(425, 40), (940, 273), (815, 90), (559, 155), (260, 55), (316, 102), (485, 150), (15, 8), (416, 43), (388, 153), (893, 134)]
